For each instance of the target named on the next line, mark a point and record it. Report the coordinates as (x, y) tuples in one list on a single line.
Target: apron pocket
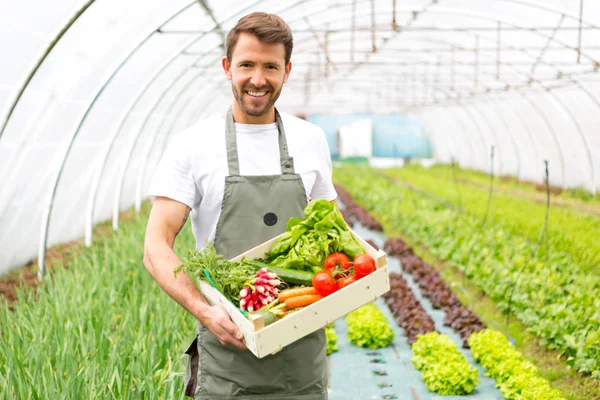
[(191, 373)]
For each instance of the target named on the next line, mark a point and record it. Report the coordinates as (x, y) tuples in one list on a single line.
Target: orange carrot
[(301, 301), (286, 294)]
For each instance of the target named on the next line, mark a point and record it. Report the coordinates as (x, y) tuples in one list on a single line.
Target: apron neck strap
[(287, 165)]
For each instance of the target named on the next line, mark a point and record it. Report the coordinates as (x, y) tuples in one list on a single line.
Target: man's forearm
[(160, 260)]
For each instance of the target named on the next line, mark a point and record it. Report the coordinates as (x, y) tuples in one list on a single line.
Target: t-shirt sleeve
[(173, 177), (323, 188)]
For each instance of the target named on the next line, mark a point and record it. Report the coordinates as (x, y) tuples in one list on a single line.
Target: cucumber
[(289, 276), (268, 317)]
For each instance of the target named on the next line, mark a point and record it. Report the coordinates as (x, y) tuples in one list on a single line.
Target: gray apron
[(254, 210)]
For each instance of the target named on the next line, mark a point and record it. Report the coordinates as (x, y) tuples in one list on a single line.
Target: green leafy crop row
[(551, 295), (101, 329), (516, 377), (570, 231), (444, 368), (368, 327)]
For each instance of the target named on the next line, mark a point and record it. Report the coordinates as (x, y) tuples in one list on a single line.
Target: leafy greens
[(308, 241)]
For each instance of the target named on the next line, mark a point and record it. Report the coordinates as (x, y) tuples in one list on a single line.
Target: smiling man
[(242, 176)]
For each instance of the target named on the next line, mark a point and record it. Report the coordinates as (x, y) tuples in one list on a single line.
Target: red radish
[(260, 289), (244, 292), (262, 298), (261, 281), (274, 282)]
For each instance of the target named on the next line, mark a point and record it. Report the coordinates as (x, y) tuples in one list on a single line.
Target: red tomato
[(336, 260), (342, 283), (324, 284), (364, 264)]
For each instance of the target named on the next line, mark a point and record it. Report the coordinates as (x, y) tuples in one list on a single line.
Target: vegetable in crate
[(368, 327), (308, 242), (240, 282), (337, 264)]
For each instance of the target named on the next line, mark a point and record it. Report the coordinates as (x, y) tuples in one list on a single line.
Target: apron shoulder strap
[(287, 163)]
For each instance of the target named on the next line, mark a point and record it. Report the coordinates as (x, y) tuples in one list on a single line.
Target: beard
[(247, 108)]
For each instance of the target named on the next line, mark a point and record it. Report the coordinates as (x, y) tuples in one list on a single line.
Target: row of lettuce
[(445, 370), (551, 295), (572, 232)]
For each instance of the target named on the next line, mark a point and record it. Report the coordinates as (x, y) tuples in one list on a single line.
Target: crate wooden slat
[(264, 340)]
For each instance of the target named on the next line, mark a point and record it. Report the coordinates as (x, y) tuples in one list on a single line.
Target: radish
[(261, 281), (274, 282), (263, 299)]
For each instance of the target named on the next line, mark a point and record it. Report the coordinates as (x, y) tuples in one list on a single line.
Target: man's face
[(257, 73)]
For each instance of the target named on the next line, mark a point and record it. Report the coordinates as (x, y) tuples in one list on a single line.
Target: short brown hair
[(268, 28)]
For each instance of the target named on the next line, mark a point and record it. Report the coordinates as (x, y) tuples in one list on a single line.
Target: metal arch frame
[(562, 104), (38, 64), (138, 189), (492, 130), (524, 124), (109, 144), (467, 13), (121, 178), (57, 175), (470, 113), (453, 150), (472, 146), (512, 138), (108, 148), (550, 128), (127, 155), (151, 142), (196, 116), (474, 15), (503, 121)]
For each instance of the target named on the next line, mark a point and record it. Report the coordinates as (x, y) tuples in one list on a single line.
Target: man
[(237, 176)]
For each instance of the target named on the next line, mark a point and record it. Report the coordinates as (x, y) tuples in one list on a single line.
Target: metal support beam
[(218, 26), (579, 32), (373, 40), (321, 45), (394, 23), (543, 49), (498, 46), (71, 139), (33, 70)]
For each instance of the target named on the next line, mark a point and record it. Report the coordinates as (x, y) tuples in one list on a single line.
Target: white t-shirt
[(193, 168)]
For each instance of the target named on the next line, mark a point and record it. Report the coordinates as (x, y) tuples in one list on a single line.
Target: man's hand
[(218, 322)]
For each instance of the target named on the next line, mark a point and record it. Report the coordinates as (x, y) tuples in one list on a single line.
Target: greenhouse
[(417, 217)]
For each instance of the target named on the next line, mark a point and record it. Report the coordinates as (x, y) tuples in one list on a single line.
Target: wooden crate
[(264, 340)]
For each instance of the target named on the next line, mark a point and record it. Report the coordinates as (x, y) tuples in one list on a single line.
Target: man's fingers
[(227, 339), (232, 329)]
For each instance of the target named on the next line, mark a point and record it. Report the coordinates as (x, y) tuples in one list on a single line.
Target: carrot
[(301, 301), (286, 294)]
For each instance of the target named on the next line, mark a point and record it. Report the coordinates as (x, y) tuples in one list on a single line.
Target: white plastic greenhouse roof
[(91, 91)]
